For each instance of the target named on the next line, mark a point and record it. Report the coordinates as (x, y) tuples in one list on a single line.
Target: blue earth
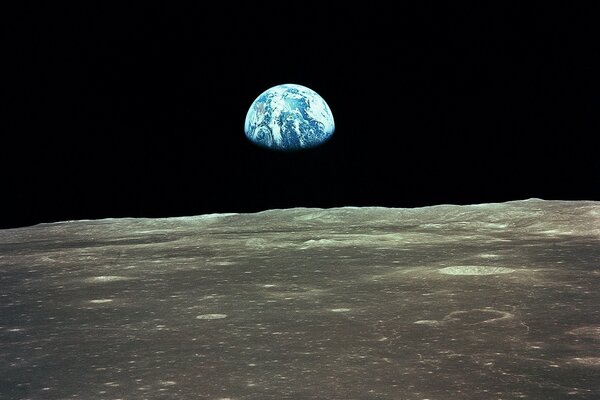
[(289, 117)]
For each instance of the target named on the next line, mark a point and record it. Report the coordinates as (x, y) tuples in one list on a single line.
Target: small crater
[(475, 270), (593, 362), (488, 255), (591, 332), (426, 322), (477, 316), (106, 278), (100, 301), (211, 316)]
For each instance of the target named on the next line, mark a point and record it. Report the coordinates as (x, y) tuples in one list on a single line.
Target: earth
[(289, 117)]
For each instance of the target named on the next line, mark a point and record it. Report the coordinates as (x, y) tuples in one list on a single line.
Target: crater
[(477, 316), (593, 362), (591, 332), (211, 316), (106, 278), (475, 270), (100, 301)]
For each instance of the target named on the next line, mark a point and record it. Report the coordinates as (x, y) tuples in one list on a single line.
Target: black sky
[(138, 109)]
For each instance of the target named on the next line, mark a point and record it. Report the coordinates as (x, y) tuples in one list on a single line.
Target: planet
[(289, 117), (483, 301)]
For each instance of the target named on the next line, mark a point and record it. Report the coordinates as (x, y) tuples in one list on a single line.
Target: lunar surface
[(490, 301)]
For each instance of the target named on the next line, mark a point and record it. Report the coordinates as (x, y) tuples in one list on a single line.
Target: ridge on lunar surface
[(491, 301)]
